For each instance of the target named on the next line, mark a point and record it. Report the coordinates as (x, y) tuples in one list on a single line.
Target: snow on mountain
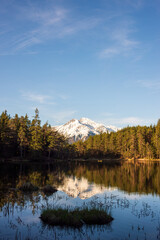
[(81, 129), (81, 188)]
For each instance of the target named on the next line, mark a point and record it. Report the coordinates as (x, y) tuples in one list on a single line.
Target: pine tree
[(52, 143), (133, 143), (157, 139), (4, 133), (36, 135), (23, 135), (46, 130), (14, 125), (141, 144)]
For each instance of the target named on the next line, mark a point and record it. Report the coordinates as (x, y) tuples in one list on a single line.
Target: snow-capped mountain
[(81, 129)]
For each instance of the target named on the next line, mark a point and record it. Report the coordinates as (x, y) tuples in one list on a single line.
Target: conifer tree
[(52, 143), (4, 133), (133, 143), (141, 144), (157, 139), (36, 135), (23, 135), (46, 129)]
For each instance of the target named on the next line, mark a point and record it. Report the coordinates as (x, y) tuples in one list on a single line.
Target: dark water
[(129, 191)]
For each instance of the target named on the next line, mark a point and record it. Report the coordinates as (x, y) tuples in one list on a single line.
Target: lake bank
[(52, 160)]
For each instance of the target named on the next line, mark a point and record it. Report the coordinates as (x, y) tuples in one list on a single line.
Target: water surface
[(129, 191)]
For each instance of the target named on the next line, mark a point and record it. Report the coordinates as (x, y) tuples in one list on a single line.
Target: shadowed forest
[(23, 138)]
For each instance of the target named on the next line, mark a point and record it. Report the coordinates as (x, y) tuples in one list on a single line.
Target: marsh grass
[(75, 218)]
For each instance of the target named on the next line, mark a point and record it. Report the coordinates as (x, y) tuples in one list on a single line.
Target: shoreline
[(95, 160)]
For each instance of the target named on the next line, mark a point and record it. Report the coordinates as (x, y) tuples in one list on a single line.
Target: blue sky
[(70, 59)]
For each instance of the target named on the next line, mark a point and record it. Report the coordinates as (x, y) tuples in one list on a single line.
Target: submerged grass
[(75, 218)]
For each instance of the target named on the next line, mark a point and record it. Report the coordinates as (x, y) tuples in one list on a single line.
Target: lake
[(130, 192)]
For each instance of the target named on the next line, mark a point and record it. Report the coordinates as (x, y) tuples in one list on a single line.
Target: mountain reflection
[(126, 189), (81, 188), (84, 177), (81, 179)]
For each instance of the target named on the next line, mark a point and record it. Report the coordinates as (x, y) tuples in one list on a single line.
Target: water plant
[(76, 217)]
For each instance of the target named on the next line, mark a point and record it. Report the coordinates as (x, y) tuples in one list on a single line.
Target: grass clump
[(75, 218), (28, 187), (95, 216)]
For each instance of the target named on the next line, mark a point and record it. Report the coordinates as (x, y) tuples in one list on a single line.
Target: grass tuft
[(75, 218)]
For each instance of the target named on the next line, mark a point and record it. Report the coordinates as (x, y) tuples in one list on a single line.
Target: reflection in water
[(81, 187), (129, 191)]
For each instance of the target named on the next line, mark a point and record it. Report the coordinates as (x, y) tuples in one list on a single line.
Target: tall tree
[(4, 134), (36, 135), (14, 125), (23, 135), (157, 139)]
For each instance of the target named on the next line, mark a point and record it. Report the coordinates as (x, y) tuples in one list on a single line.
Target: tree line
[(25, 138), (130, 142)]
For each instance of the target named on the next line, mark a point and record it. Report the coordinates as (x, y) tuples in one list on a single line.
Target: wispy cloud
[(47, 24), (47, 17), (122, 35), (150, 84), (131, 121), (123, 43), (109, 52), (37, 98), (39, 25), (128, 121), (136, 3)]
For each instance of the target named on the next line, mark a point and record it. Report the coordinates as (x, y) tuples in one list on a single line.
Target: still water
[(130, 192)]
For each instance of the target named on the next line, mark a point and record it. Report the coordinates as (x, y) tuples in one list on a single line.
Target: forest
[(27, 139), (130, 142), (23, 138)]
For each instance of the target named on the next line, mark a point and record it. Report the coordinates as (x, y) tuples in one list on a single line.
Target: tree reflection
[(131, 177)]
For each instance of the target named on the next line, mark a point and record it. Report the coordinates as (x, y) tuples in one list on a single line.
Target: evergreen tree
[(141, 143), (133, 143), (46, 129), (52, 147), (157, 139), (23, 135), (4, 134), (14, 125), (36, 135)]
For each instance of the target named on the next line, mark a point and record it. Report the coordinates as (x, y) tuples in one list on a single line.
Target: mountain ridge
[(81, 129)]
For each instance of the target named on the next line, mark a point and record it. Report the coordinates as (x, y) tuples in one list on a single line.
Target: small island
[(76, 217)]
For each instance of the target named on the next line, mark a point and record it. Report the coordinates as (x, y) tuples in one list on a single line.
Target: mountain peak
[(85, 119), (72, 121), (81, 129)]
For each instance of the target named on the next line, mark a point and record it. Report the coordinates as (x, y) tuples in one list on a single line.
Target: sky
[(97, 59)]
